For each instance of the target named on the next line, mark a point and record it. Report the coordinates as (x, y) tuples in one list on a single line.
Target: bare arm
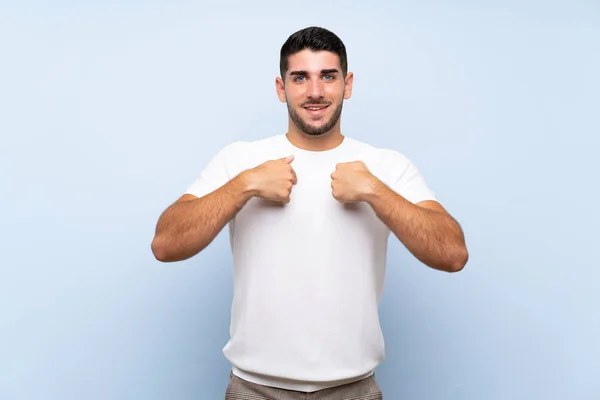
[(191, 223), (427, 230)]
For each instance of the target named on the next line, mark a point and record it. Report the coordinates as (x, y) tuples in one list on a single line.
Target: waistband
[(287, 384)]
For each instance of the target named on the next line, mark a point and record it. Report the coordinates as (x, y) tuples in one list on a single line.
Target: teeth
[(315, 108)]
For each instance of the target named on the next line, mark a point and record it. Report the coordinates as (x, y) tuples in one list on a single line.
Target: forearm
[(432, 236), (187, 227)]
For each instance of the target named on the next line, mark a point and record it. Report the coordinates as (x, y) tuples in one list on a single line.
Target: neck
[(326, 141)]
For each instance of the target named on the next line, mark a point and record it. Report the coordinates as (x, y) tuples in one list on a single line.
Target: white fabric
[(308, 275)]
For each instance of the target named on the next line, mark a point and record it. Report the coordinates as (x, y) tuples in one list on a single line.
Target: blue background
[(108, 110)]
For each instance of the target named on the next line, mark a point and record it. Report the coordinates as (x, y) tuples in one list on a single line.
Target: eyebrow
[(323, 71)]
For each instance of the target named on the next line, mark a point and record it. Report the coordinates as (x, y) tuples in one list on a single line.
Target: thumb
[(288, 159)]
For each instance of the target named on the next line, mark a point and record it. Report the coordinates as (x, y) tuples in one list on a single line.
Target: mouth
[(316, 110)]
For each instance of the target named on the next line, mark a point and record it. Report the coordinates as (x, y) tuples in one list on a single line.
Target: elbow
[(450, 262), (458, 261), (167, 251), (160, 250)]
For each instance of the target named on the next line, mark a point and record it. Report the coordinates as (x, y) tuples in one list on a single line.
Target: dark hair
[(316, 39)]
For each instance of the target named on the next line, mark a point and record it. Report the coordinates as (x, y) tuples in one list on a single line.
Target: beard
[(315, 130)]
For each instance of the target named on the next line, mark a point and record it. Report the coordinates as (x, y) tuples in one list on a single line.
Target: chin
[(312, 127), (315, 133), (312, 130)]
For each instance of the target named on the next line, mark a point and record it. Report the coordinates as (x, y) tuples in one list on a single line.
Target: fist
[(351, 182), (273, 180)]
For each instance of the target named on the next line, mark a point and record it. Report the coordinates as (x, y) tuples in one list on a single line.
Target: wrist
[(373, 191), (247, 185)]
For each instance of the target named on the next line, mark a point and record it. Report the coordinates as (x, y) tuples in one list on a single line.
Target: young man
[(309, 213)]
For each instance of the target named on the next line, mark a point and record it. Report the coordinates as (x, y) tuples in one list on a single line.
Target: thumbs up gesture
[(351, 182), (273, 180)]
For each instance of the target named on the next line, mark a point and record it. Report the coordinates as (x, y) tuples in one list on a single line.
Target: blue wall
[(108, 112)]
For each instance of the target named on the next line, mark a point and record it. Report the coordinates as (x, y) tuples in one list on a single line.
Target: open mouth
[(316, 110)]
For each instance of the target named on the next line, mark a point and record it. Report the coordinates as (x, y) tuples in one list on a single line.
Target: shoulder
[(244, 154), (381, 157), (391, 166), (237, 150), (398, 171)]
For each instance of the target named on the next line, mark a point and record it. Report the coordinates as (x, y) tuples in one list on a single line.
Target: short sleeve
[(409, 182), (213, 176)]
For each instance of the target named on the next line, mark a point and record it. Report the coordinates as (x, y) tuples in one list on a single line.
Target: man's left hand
[(352, 182)]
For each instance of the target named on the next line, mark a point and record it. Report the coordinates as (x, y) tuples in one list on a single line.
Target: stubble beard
[(315, 130)]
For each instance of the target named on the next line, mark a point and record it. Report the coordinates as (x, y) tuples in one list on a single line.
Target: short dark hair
[(316, 39)]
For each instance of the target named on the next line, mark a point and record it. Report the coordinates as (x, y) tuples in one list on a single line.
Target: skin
[(314, 78), (427, 230)]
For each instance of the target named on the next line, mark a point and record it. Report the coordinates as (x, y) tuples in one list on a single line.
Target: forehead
[(313, 61)]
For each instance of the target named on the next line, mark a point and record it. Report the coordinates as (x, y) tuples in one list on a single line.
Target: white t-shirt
[(308, 275)]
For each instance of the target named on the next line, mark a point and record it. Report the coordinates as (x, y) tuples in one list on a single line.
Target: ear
[(348, 85), (280, 87)]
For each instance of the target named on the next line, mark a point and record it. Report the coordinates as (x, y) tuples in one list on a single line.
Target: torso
[(308, 275)]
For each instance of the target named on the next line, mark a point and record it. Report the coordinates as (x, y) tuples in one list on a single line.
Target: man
[(309, 213)]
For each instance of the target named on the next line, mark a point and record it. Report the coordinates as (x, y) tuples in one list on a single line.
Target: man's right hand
[(272, 180)]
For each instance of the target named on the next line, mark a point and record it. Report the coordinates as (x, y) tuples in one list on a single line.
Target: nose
[(314, 89)]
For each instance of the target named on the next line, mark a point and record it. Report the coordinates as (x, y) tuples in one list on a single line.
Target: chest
[(313, 213)]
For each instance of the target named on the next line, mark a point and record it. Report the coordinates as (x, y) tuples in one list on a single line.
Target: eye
[(297, 79), (329, 77)]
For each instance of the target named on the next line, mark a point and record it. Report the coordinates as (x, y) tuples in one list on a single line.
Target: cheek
[(293, 98), (335, 92)]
